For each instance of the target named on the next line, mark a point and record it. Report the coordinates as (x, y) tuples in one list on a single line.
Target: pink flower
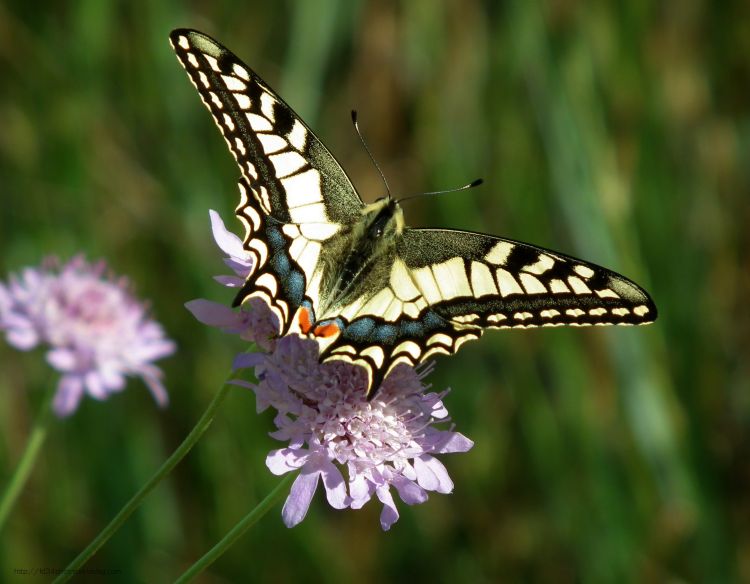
[(96, 331), (334, 433), (358, 448)]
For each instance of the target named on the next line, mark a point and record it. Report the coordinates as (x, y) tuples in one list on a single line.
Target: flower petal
[(333, 481), (157, 389), (282, 461), (453, 442), (212, 313), (246, 360), (227, 241), (389, 514), (432, 474), (410, 492), (69, 393), (61, 359), (23, 339), (230, 281), (94, 386), (360, 490), (298, 501)]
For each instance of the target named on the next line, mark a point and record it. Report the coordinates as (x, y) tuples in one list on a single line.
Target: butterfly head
[(382, 220)]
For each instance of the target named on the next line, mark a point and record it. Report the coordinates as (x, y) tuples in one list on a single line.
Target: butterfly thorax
[(355, 257)]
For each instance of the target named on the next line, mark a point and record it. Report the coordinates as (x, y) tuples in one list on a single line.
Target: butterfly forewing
[(272, 145), (285, 172), (479, 280)]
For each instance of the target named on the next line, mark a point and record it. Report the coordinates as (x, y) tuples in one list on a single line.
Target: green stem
[(23, 469), (248, 521), (134, 503)]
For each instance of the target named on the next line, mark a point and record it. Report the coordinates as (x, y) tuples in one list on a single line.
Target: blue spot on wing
[(360, 330), (292, 280), (432, 321), (366, 330), (411, 328), (295, 287), (373, 330), (280, 263), (386, 334), (275, 237)]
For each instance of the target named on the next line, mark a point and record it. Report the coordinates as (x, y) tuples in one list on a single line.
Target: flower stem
[(23, 469), (137, 499), (248, 521)]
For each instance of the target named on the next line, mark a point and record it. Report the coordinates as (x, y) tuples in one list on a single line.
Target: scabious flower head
[(360, 449), (330, 426), (96, 330)]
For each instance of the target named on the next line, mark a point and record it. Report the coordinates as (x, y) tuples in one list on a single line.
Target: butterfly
[(353, 276)]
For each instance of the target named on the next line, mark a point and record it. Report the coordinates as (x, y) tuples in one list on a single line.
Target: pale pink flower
[(358, 448), (96, 332)]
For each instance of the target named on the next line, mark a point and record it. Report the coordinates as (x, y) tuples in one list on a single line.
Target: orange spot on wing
[(328, 330), (304, 321)]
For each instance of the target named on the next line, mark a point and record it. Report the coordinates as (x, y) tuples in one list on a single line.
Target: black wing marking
[(294, 194), (446, 287)]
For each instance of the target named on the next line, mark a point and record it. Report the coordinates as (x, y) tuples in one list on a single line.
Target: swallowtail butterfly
[(372, 291)]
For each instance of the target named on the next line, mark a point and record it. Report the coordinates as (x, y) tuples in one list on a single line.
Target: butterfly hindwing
[(446, 287)]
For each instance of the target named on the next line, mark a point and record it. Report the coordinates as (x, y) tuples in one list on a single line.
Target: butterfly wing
[(445, 287), (294, 194), (432, 291)]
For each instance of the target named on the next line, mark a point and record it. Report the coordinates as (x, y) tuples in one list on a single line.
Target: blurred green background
[(616, 132)]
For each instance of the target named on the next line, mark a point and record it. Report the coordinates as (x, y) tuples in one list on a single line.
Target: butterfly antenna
[(372, 158), (471, 185)]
